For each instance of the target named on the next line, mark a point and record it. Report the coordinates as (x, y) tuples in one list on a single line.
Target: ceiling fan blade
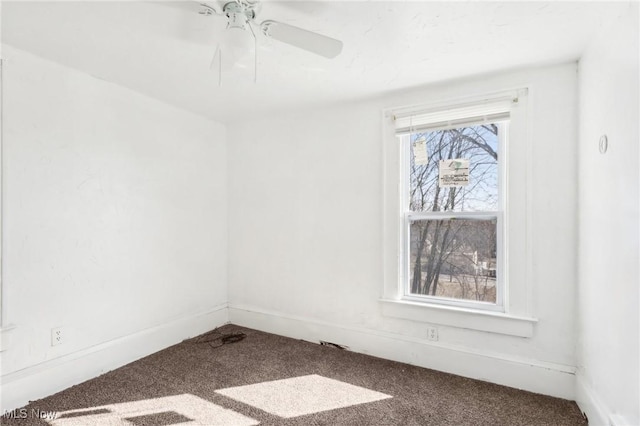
[(303, 39)]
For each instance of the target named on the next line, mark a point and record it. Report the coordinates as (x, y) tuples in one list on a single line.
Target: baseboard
[(47, 378), (522, 373), (592, 407)]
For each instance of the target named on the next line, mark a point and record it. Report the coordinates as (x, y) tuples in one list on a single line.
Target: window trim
[(517, 300)]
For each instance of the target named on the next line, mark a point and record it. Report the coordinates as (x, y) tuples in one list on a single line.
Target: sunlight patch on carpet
[(171, 410), (303, 395)]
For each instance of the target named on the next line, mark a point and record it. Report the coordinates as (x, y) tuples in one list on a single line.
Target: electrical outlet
[(432, 334), (57, 336)]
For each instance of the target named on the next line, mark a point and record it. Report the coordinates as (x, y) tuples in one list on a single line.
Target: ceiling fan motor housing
[(239, 14)]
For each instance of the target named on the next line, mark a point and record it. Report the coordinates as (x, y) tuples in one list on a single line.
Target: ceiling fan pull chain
[(255, 54), (220, 68)]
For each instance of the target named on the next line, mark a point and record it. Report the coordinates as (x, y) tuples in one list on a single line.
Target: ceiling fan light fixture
[(235, 50), (237, 43)]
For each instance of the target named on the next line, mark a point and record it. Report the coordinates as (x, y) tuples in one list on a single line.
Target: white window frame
[(512, 314)]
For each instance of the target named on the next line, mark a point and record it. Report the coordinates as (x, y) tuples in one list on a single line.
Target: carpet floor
[(238, 376)]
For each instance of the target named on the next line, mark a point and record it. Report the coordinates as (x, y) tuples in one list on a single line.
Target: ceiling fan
[(242, 32)]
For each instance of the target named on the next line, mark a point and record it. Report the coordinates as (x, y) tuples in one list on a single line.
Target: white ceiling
[(164, 49)]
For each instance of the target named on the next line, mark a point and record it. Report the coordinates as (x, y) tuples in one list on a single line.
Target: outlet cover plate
[(57, 336), (432, 334)]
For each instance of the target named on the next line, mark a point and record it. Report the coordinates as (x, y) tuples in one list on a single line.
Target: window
[(452, 212), (456, 214)]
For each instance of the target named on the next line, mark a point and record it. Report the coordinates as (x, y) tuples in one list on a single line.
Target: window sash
[(411, 217), (408, 216), (415, 216)]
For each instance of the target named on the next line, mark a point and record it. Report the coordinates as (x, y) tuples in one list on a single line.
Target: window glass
[(476, 144), (454, 258)]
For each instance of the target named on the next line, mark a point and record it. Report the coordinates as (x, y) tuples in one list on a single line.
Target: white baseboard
[(591, 406), (49, 377), (523, 373)]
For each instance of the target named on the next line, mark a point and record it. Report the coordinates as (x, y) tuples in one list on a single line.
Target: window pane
[(454, 259), (478, 145)]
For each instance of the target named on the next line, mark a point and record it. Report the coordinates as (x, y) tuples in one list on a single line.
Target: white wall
[(305, 218), (608, 361), (114, 214)]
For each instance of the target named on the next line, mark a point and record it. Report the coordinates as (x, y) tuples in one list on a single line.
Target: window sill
[(492, 322)]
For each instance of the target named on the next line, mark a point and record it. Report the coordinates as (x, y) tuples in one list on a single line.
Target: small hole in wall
[(603, 144)]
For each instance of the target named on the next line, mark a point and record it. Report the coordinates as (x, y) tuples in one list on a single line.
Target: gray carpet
[(272, 380)]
